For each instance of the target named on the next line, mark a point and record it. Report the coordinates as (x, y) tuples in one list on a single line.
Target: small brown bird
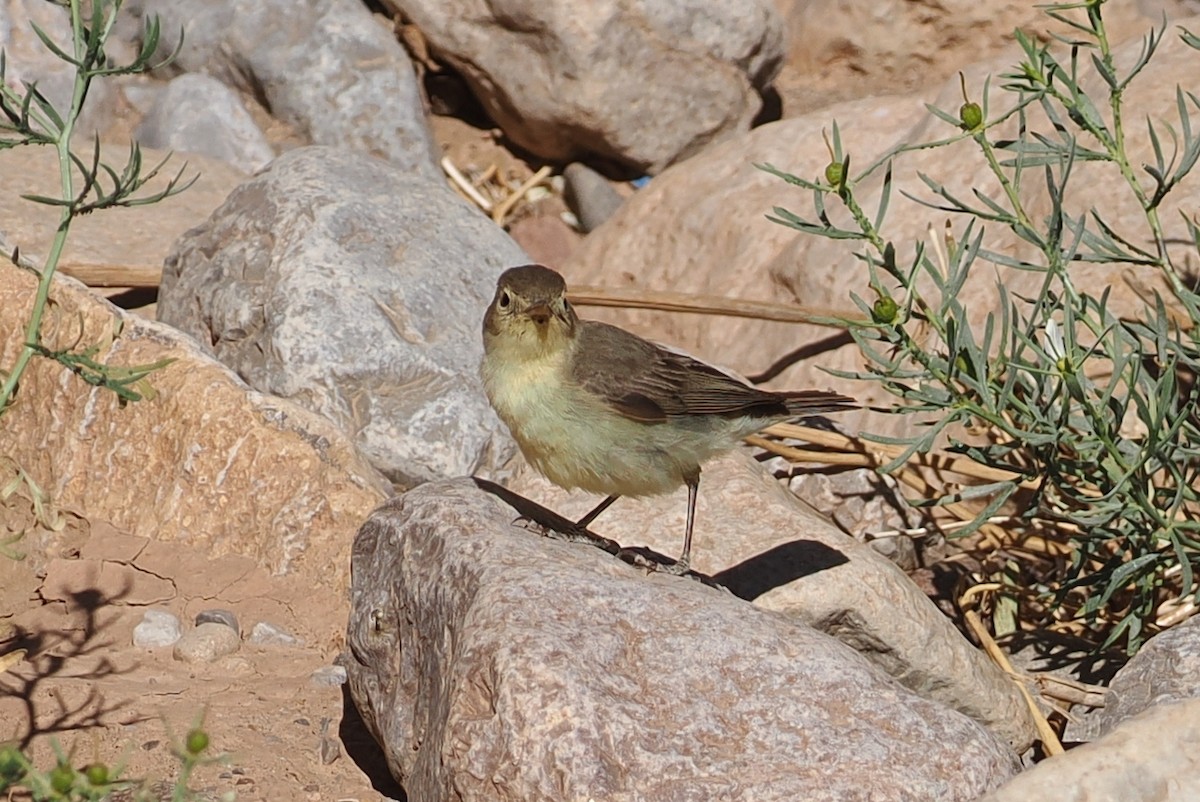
[(595, 407)]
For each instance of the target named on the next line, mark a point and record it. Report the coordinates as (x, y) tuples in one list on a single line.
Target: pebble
[(328, 677), (219, 616), (157, 628), (265, 634), (206, 643), (590, 196)]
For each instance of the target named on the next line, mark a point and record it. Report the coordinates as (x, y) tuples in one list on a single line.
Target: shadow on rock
[(777, 567), (362, 748)]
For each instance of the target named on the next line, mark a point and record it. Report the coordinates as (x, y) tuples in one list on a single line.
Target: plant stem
[(62, 145)]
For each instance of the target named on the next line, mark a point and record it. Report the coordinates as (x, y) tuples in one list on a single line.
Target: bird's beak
[(539, 313)]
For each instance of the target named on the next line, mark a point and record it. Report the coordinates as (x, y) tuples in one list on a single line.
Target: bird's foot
[(637, 558), (525, 522), (570, 533), (681, 567)]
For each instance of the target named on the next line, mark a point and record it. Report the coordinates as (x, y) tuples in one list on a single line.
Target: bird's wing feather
[(649, 383)]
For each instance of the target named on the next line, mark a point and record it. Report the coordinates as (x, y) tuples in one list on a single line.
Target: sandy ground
[(72, 604)]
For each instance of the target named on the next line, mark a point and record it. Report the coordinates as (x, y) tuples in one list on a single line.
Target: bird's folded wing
[(648, 383)]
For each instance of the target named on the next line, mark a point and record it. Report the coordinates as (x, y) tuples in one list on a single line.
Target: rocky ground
[(239, 502)]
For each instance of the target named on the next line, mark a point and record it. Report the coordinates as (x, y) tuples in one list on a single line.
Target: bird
[(595, 407)]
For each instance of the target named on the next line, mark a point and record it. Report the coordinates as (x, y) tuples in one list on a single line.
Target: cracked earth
[(67, 614)]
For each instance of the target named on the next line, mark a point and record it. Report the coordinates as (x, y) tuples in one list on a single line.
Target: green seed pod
[(834, 174), (884, 310), (971, 116), (197, 741), (97, 773), (62, 777)]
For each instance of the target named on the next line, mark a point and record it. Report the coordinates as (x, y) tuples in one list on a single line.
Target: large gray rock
[(356, 289), (1167, 669), (196, 113), (496, 665), (326, 66), (1154, 757), (646, 82), (754, 537)]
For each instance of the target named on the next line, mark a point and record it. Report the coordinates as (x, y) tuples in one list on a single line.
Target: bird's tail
[(815, 402)]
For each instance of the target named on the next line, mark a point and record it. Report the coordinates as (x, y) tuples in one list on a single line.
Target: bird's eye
[(566, 305), (505, 300)]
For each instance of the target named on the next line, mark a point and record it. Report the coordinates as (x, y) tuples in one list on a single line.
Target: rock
[(645, 83), (870, 45), (548, 239), (265, 634), (157, 628), (201, 458), (494, 664), (1166, 670), (328, 677), (864, 504), (328, 67), (215, 616), (756, 539), (591, 198), (344, 284), (198, 114), (1153, 757), (206, 643)]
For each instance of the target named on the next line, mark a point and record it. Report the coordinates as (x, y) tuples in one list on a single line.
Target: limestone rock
[(589, 195), (218, 616), (495, 664), (646, 83), (157, 628), (756, 539), (202, 458), (267, 634), (353, 288), (326, 66), (206, 643), (196, 113), (875, 41), (1166, 670), (1153, 757)]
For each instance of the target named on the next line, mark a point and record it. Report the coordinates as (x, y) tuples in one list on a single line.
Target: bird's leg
[(683, 564), (594, 514), (576, 532)]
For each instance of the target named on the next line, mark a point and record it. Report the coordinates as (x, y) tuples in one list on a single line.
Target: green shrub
[(1095, 412)]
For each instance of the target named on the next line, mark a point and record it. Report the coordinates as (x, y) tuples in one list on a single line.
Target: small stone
[(590, 196), (206, 643), (219, 616), (196, 113), (265, 634), (157, 628), (328, 677)]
